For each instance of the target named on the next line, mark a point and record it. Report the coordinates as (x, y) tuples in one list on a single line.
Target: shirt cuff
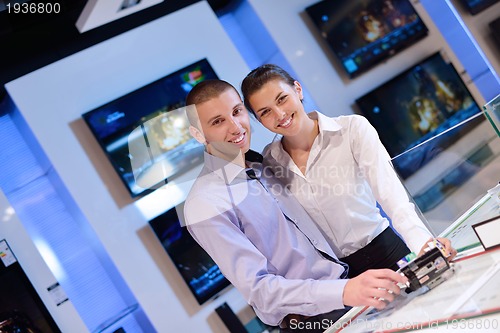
[(330, 295)]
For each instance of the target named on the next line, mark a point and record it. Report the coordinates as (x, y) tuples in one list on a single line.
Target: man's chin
[(226, 150)]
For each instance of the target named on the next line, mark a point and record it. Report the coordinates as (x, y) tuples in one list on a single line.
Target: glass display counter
[(454, 186), (468, 301), (492, 113), (451, 172)]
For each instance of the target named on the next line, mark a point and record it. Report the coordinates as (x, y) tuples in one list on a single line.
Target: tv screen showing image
[(21, 308), (145, 133), (427, 99), (198, 270), (476, 6), (363, 33)]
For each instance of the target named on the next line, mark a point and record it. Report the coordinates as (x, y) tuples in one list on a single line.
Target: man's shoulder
[(203, 199), (206, 182)]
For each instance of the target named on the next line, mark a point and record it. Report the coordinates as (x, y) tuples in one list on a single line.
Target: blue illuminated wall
[(60, 232)]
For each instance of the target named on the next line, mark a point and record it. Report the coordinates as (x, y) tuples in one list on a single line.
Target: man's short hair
[(206, 90), (203, 92)]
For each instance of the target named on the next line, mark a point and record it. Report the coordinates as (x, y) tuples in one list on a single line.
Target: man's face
[(225, 123)]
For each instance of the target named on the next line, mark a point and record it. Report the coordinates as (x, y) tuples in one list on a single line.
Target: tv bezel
[(476, 9), (116, 167), (392, 51), (495, 30)]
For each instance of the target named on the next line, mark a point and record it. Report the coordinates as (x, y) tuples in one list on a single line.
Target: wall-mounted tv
[(21, 308), (363, 33), (476, 6), (423, 101), (150, 117), (199, 271)]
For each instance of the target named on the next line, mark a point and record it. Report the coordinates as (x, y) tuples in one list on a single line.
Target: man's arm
[(272, 295)]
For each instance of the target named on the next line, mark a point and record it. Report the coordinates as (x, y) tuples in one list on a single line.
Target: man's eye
[(216, 122)]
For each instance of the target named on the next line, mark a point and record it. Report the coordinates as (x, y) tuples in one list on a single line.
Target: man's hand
[(451, 253), (372, 287)]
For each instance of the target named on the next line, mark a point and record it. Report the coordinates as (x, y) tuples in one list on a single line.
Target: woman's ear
[(298, 89), (197, 134)]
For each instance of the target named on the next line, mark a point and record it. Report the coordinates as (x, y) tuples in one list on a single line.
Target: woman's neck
[(304, 140)]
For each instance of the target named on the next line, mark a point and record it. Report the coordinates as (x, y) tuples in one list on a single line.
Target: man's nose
[(235, 126)]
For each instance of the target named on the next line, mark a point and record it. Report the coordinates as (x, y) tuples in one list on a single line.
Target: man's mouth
[(238, 139)]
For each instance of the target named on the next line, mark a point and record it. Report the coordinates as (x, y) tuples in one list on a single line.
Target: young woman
[(338, 169)]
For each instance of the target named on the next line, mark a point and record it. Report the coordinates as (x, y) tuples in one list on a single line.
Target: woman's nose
[(279, 112)]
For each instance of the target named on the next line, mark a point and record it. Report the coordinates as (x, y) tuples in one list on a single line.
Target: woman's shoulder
[(351, 118), (268, 154), (343, 120), (353, 122), (272, 148), (273, 155)]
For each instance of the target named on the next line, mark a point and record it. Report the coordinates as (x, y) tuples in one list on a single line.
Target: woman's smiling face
[(278, 106)]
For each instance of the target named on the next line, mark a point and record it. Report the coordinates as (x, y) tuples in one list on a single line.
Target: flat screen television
[(423, 101), (145, 132), (476, 6), (199, 271), (363, 33), (21, 308)]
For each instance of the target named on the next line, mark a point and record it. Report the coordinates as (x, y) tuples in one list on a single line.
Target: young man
[(258, 234)]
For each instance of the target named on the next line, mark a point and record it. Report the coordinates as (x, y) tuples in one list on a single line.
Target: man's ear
[(196, 133)]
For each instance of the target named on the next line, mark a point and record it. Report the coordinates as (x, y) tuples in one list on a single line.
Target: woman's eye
[(282, 99), (264, 113)]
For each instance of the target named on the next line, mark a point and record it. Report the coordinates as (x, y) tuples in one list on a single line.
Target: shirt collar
[(325, 124), (228, 171)]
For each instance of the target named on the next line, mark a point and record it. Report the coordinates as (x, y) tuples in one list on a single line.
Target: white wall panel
[(52, 100)]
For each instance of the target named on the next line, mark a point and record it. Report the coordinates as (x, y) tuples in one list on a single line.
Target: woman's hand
[(451, 253)]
